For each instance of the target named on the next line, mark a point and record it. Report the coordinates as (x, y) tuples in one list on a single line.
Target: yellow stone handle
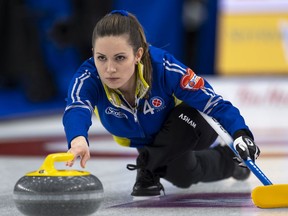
[(48, 168), (48, 164)]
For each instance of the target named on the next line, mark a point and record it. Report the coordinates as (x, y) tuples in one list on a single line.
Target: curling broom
[(267, 196)]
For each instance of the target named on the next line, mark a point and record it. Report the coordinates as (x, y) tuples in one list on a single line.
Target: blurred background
[(241, 47)]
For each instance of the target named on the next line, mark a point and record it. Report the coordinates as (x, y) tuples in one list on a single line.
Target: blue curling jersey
[(137, 126)]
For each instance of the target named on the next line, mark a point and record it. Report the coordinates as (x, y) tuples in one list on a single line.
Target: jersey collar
[(142, 87)]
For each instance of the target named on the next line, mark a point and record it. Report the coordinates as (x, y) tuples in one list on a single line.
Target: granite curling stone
[(49, 191)]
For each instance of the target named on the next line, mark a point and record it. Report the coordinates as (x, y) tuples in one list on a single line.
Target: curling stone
[(49, 191)]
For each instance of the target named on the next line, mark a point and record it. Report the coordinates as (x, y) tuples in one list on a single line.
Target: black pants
[(180, 152)]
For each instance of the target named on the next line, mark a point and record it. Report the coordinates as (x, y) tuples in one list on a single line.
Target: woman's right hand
[(79, 148)]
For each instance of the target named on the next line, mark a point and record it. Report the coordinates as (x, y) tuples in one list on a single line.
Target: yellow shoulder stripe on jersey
[(122, 141)]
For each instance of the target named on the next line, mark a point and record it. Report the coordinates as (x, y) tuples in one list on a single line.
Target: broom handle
[(229, 141)]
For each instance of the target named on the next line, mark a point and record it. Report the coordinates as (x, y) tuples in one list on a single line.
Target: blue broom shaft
[(229, 141)]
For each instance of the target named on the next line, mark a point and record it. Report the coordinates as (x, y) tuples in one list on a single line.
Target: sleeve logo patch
[(191, 81)]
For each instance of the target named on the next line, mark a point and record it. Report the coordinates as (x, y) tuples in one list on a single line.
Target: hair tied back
[(122, 12)]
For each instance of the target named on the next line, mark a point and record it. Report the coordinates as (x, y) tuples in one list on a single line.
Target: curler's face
[(115, 61)]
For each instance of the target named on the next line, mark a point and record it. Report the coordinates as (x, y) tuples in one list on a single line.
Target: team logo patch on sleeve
[(191, 81)]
